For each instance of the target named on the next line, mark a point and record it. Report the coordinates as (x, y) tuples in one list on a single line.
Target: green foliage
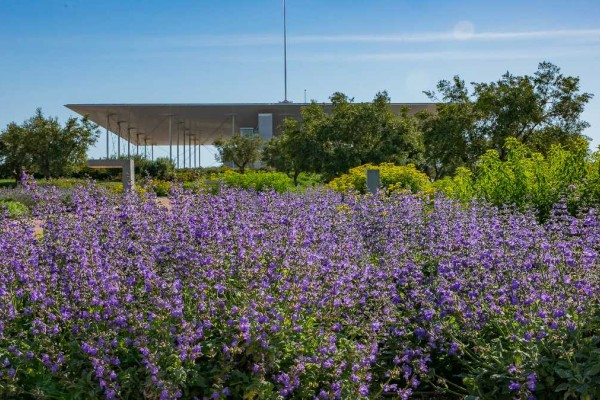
[(570, 368), (296, 150), (394, 178), (161, 168), (7, 183), (160, 187), (540, 111), (41, 145), (351, 134), (14, 208), (564, 364), (241, 150), (529, 179), (259, 181)]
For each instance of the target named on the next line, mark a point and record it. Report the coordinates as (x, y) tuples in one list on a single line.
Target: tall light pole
[(285, 100)]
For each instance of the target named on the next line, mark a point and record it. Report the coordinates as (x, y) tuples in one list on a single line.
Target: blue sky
[(154, 51)]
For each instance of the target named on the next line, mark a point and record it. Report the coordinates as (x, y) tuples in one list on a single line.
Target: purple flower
[(513, 385), (531, 381)]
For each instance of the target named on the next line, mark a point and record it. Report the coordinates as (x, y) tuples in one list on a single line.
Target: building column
[(107, 137), (129, 141), (177, 157), (119, 140), (184, 148), (195, 164), (190, 149), (170, 139)]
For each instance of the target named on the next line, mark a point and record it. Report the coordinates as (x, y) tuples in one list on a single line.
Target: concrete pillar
[(129, 141), (170, 139), (126, 165), (107, 137), (190, 149), (119, 139), (184, 148), (128, 175)]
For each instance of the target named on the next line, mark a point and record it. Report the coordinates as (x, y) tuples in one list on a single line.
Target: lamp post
[(285, 100)]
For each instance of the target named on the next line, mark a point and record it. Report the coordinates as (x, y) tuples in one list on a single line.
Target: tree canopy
[(352, 134), (41, 145), (538, 110), (241, 150)]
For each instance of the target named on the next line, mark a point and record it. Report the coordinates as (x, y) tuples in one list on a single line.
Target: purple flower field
[(313, 295)]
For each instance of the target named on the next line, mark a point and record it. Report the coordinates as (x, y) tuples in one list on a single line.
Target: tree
[(241, 150), (41, 145), (351, 135), (538, 110), (296, 150), (162, 168)]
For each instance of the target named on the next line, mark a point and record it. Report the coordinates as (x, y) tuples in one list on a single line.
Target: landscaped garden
[(245, 294), (473, 273)]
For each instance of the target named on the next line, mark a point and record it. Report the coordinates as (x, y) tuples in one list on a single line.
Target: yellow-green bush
[(393, 178), (528, 179), (14, 208), (258, 180)]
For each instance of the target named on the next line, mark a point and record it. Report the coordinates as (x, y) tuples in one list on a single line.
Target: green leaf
[(594, 370), (563, 373)]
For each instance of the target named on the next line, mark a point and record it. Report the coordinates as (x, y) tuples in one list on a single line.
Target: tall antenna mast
[(285, 100)]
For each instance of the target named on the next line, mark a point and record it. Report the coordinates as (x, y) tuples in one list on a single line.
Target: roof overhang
[(164, 124)]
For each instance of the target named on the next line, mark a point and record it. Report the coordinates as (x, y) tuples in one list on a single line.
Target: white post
[(107, 137), (178, 125), (184, 148), (170, 140), (129, 141), (119, 140)]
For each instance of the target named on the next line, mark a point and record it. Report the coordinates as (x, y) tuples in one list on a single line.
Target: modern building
[(186, 127)]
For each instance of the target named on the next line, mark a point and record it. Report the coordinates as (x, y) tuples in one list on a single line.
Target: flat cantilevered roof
[(205, 123)]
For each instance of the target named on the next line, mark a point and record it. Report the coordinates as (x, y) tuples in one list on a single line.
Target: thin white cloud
[(458, 34), (447, 55), (429, 37)]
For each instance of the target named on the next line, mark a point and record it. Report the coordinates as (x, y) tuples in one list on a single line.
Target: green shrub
[(394, 178), (113, 187), (160, 187), (161, 168), (306, 180), (194, 174), (15, 208), (7, 183), (528, 179), (259, 181)]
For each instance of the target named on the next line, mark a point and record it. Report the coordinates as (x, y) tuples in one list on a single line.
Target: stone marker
[(373, 182)]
